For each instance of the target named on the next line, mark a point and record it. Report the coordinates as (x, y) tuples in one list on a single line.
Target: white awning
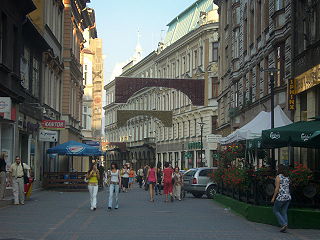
[(254, 128)]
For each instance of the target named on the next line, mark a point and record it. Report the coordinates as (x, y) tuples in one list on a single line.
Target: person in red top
[(152, 180), (167, 181)]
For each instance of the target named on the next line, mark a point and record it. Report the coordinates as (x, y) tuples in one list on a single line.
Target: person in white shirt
[(115, 183), (16, 177)]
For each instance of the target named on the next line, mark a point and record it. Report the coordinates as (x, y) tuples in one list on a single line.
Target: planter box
[(298, 218)]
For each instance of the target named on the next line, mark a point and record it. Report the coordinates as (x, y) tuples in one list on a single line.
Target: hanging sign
[(291, 95), (48, 136), (53, 124)]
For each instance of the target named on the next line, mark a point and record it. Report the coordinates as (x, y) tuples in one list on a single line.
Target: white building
[(189, 51)]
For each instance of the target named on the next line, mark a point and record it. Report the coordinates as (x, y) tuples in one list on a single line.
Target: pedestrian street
[(66, 215)]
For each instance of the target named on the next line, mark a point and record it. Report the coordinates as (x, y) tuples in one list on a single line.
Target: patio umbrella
[(73, 148), (299, 134)]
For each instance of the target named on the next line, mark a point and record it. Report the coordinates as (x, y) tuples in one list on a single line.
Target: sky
[(118, 23)]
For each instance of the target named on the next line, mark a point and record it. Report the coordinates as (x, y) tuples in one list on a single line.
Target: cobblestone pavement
[(58, 216)]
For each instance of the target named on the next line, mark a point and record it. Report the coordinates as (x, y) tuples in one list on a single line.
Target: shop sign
[(92, 143), (194, 145), (53, 124), (291, 95), (213, 138), (307, 80), (5, 104), (75, 149), (48, 136), (5, 107)]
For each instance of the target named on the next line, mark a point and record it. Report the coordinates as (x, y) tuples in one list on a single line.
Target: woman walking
[(115, 183), (132, 175), (152, 180), (281, 197), (125, 178), (93, 177), (167, 181), (177, 179)]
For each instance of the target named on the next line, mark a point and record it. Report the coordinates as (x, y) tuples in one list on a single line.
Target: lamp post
[(272, 71), (201, 144)]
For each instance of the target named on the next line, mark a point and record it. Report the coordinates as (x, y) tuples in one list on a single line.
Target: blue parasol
[(73, 148)]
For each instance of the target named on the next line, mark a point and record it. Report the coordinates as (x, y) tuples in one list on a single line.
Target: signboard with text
[(48, 136), (53, 124), (291, 95)]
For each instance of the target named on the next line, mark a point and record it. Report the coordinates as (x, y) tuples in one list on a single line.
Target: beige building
[(92, 63), (188, 51)]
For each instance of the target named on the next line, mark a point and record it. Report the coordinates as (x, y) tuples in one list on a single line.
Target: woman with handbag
[(92, 177), (177, 183), (152, 181), (115, 183)]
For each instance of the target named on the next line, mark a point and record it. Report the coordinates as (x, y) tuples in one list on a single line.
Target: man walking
[(2, 175), (140, 175), (16, 175)]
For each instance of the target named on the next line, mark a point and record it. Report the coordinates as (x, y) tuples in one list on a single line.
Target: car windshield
[(190, 173)]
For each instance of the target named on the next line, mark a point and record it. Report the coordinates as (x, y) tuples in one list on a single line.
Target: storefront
[(307, 106), (7, 128)]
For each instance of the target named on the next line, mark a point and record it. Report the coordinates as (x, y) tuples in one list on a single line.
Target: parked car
[(211, 189), (196, 179)]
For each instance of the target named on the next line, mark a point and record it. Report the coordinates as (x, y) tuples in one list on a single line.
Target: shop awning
[(73, 148), (254, 128), (299, 134)]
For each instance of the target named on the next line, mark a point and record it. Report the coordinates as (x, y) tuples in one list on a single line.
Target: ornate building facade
[(255, 36), (189, 51)]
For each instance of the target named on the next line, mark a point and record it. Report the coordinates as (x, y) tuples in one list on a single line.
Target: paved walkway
[(58, 216)]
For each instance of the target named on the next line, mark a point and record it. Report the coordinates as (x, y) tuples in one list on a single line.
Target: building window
[(25, 68), (278, 4), (183, 65), (189, 128), (214, 55), (258, 21), (214, 124), (189, 61), (236, 94), (236, 45), (3, 38), (201, 56), (236, 16), (245, 29), (266, 14), (195, 59), (195, 127), (215, 87), (252, 23)]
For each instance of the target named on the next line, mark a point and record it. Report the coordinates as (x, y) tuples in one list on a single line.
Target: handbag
[(25, 176)]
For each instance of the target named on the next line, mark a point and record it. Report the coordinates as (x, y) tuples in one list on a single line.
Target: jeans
[(280, 209), (18, 190), (113, 189), (93, 190)]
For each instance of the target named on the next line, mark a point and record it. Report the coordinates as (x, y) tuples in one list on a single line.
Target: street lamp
[(201, 145), (272, 71)]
